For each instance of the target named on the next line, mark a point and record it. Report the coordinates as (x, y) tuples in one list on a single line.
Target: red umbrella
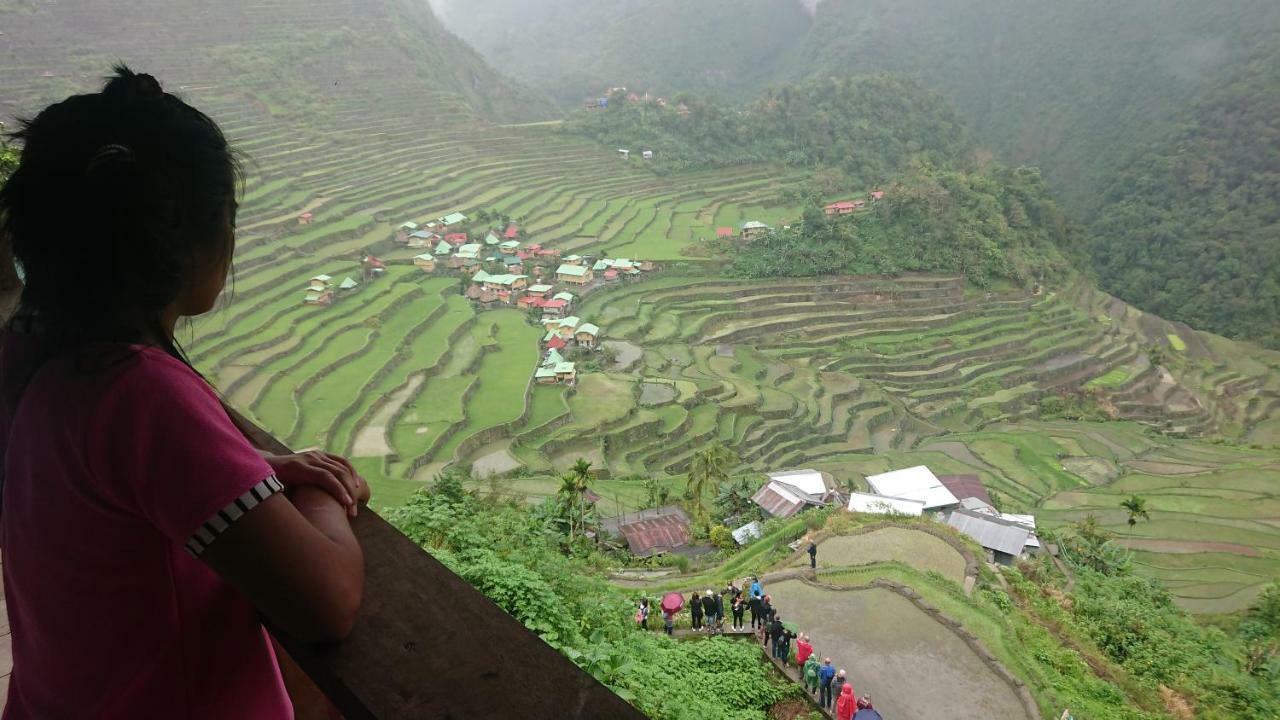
[(672, 602)]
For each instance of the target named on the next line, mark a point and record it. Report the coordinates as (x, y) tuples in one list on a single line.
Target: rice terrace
[(440, 274)]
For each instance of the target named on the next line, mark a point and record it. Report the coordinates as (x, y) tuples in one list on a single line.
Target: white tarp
[(747, 533)]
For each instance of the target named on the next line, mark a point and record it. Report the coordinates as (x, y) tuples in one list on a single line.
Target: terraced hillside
[(407, 376)]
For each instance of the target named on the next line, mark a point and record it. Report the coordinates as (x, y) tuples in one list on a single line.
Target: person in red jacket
[(803, 649), (847, 705)]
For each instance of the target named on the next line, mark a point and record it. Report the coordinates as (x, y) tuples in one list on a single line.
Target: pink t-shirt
[(109, 472)]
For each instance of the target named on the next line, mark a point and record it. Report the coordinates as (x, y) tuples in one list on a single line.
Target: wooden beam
[(428, 645)]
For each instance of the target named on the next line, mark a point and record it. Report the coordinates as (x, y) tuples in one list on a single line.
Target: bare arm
[(297, 561)]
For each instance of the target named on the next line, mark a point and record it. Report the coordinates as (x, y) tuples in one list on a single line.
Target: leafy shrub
[(722, 537)]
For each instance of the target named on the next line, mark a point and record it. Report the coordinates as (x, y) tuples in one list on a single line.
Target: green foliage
[(872, 128), (708, 470), (1191, 226), (734, 499), (1260, 632), (8, 160), (1137, 509), (509, 553), (722, 537), (1134, 622), (1072, 406), (931, 220)]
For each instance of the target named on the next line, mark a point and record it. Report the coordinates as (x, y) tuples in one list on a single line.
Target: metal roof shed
[(990, 532)]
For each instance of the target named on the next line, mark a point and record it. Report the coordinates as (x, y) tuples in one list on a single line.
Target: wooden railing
[(428, 645)]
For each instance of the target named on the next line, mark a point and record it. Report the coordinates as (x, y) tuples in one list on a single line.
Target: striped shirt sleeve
[(227, 516)]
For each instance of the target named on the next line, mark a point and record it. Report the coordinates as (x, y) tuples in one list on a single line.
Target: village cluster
[(500, 269), (960, 501)]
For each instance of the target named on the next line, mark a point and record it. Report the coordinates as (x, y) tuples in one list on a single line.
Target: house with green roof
[(553, 358), (546, 376), (509, 247), (566, 372), (539, 289), (443, 249), (318, 297), (574, 260), (480, 277), (320, 283), (453, 219), (348, 285), (492, 239), (505, 282), (426, 262), (587, 335), (568, 325), (565, 296), (574, 274)]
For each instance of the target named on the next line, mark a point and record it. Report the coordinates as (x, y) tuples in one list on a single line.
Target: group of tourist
[(832, 688)]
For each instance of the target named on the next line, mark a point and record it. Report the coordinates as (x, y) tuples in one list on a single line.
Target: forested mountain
[(1149, 119), (304, 57), (1063, 85), (870, 127), (1190, 228), (944, 208), (574, 49)]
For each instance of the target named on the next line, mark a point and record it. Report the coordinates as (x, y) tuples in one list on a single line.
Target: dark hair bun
[(128, 85)]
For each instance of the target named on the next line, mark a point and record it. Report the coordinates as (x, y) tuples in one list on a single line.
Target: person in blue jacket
[(826, 674), (756, 589)]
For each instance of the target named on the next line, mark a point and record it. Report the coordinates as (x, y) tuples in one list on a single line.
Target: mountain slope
[(574, 49), (1190, 228), (291, 56)]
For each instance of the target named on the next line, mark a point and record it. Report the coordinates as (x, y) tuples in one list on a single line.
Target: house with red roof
[(877, 195), (724, 232), (456, 238), (557, 343), (304, 218), (843, 207), (512, 232)]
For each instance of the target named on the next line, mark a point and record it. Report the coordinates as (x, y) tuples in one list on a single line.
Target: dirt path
[(912, 666)]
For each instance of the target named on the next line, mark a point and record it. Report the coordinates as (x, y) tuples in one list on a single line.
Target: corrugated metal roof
[(991, 532), (965, 486), (658, 533), (777, 500)]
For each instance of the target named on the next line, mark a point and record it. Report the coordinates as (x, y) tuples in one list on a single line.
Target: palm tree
[(1137, 508), (709, 468), (565, 509), (573, 488)]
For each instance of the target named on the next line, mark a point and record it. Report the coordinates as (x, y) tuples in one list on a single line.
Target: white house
[(787, 493), (914, 483), (883, 505)]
